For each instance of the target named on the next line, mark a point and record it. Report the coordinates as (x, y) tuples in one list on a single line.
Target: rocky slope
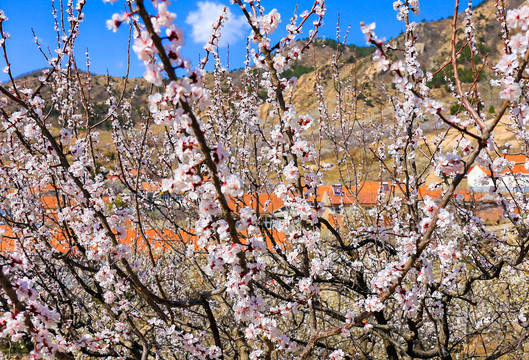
[(432, 42)]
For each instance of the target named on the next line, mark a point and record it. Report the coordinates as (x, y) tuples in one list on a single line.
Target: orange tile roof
[(437, 194), (150, 187), (43, 189), (327, 192), (517, 168), (50, 202), (7, 240), (266, 203), (158, 239), (367, 193), (6, 244), (517, 158)]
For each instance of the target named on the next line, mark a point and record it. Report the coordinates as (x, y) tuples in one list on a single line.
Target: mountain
[(432, 42)]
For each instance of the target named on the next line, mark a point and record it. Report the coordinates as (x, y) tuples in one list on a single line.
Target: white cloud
[(207, 14)]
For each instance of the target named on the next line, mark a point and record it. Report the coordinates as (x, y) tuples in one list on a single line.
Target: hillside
[(370, 101), (433, 44)]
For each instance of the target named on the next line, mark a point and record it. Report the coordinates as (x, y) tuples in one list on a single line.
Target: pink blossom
[(337, 355), (444, 219), (105, 276), (256, 354), (432, 106), (449, 164), (507, 63), (65, 136), (291, 173), (164, 17), (109, 297), (381, 59), (511, 91), (153, 74), (209, 207), (373, 303), (144, 47), (429, 206), (14, 326), (175, 34), (117, 19), (305, 285), (368, 31), (519, 43), (270, 21), (518, 18), (75, 151)]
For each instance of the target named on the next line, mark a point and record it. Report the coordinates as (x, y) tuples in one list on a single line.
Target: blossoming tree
[(114, 273)]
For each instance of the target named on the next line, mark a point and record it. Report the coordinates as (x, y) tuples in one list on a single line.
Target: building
[(337, 196), (513, 171)]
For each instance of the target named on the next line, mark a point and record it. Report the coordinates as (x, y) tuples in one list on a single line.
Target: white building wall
[(479, 181)]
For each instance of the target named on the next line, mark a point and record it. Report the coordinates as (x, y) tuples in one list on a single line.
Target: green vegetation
[(333, 44), (16, 349), (465, 70), (480, 4), (482, 48), (262, 94), (360, 51), (99, 112), (54, 113), (297, 70)]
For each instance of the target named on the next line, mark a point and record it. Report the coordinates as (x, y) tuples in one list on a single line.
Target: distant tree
[(296, 71), (205, 236)]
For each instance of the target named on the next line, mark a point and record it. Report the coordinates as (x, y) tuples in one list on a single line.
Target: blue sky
[(108, 50)]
